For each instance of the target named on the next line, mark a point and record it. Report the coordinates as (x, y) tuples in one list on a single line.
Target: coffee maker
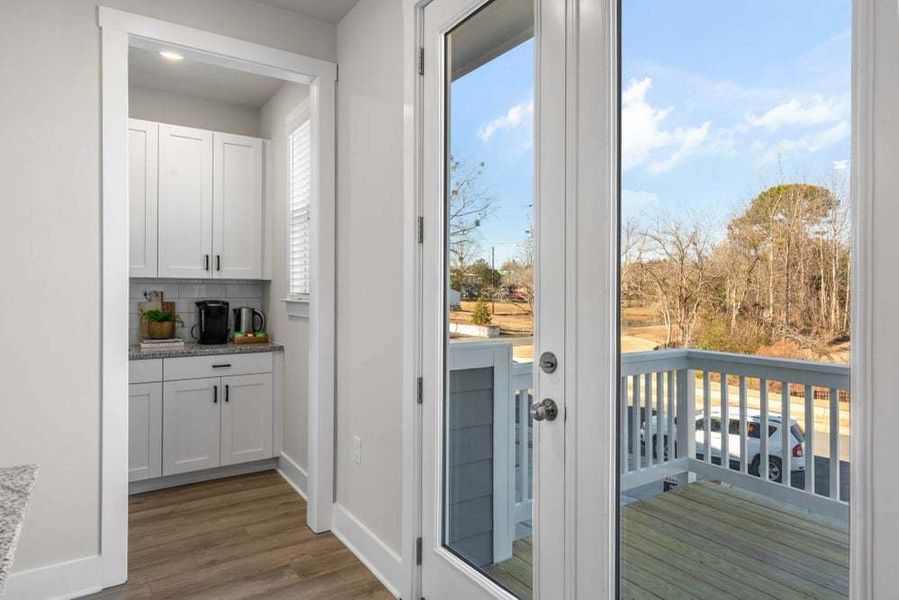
[(212, 322)]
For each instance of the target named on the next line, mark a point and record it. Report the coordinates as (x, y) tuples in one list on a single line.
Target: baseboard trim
[(293, 474), (384, 563), (59, 581), (150, 485)]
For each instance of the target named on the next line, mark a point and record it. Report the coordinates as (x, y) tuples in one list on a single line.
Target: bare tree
[(678, 267)]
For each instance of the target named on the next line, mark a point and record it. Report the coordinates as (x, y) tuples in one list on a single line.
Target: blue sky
[(719, 100)]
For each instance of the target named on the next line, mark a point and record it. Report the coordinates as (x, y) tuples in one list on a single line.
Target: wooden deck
[(235, 539), (712, 542)]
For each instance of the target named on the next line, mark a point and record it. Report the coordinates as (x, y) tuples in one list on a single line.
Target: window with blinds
[(299, 198)]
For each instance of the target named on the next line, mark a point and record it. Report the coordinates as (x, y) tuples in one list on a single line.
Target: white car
[(753, 441)]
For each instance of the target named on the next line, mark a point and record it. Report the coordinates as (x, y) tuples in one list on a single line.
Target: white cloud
[(805, 144), (643, 136), (637, 199), (516, 116), (840, 165), (814, 111)]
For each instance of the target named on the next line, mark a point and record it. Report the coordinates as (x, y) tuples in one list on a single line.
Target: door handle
[(218, 262), (205, 262), (215, 394), (545, 410), (227, 392)]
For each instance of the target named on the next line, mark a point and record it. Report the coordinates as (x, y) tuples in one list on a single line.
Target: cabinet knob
[(215, 394)]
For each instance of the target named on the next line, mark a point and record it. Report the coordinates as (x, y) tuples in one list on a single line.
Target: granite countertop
[(194, 349), (16, 485)]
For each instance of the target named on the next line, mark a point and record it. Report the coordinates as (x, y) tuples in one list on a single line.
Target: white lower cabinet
[(144, 431), (191, 425), (246, 418), (181, 419)]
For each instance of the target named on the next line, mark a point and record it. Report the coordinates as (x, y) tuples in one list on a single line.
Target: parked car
[(753, 440)]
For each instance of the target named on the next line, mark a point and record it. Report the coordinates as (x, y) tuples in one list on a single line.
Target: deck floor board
[(708, 541)]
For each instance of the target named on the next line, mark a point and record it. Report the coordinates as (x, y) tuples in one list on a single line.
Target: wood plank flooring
[(707, 541), (235, 539)]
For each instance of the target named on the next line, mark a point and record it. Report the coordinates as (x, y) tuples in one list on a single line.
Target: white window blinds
[(299, 196)]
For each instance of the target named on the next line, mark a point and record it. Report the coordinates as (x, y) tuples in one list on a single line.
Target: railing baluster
[(647, 418), (671, 411), (706, 418), (686, 413), (763, 429), (834, 444), (524, 424), (809, 452), (744, 459), (660, 418), (725, 423), (635, 418), (786, 440), (624, 429)]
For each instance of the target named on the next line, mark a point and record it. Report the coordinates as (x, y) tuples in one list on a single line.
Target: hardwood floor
[(237, 538)]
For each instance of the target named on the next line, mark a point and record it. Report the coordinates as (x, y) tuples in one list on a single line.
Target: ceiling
[(201, 80), (326, 10)]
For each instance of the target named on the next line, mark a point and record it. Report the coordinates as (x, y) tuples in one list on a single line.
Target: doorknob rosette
[(545, 410)]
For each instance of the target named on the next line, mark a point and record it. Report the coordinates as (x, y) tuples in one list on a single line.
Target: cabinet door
[(185, 202), (142, 181), (237, 207), (246, 418), (191, 425), (144, 431)]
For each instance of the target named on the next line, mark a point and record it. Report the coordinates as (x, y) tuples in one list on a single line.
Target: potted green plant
[(160, 323)]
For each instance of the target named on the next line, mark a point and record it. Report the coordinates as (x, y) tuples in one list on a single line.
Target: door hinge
[(418, 551), (421, 230), (421, 61), (419, 390)]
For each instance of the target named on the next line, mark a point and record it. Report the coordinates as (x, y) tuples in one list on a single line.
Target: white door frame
[(119, 29), (595, 34)]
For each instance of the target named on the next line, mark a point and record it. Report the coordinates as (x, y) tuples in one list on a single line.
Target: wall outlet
[(357, 450)]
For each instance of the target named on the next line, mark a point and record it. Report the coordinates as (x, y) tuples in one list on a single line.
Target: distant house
[(454, 299)]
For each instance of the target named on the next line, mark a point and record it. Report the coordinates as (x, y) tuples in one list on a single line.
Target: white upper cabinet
[(196, 201), (185, 202), (142, 181), (237, 206)]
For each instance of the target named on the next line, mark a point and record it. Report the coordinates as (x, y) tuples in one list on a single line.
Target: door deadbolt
[(545, 410), (548, 362)]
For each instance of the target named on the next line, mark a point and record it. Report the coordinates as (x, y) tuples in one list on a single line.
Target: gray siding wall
[(470, 464)]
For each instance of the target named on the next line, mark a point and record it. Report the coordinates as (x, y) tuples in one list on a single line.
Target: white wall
[(50, 169), (190, 111), (292, 332), (370, 265)]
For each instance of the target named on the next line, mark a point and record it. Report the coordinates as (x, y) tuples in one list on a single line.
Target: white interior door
[(493, 480), (185, 202), (237, 206)]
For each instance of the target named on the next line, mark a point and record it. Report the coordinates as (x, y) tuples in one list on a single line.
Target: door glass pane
[(489, 199), (734, 289)]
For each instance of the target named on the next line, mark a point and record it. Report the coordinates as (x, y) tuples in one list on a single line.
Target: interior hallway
[(235, 538)]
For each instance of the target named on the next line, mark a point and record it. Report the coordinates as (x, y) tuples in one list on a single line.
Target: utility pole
[(492, 275)]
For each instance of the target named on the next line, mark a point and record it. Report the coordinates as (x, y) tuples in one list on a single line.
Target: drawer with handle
[(194, 367)]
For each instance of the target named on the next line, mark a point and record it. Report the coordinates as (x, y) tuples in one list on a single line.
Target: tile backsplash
[(185, 293)]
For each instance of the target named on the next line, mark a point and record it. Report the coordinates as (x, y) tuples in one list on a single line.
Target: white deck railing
[(664, 384), (735, 389)]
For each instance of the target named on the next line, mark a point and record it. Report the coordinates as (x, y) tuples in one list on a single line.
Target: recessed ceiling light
[(169, 55)]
